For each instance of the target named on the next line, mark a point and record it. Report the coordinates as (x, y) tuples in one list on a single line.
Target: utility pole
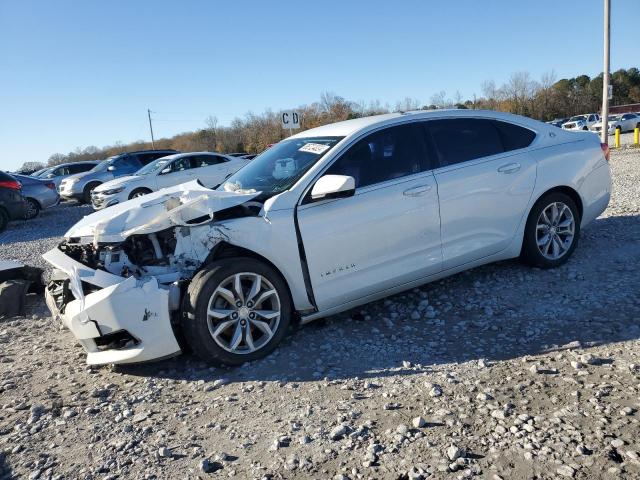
[(153, 145), (604, 135)]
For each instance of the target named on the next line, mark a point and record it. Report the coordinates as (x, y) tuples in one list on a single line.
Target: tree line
[(543, 99)]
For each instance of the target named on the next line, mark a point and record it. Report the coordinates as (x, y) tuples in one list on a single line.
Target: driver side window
[(385, 155), (181, 164)]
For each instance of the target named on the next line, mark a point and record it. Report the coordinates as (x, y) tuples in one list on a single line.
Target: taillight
[(50, 185), (605, 150), (12, 184)]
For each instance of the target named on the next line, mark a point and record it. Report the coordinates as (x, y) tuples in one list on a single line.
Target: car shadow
[(496, 312)]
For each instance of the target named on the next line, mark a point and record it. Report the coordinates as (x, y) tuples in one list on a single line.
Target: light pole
[(153, 145), (605, 77)]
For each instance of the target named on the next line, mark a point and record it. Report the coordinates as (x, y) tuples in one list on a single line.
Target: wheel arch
[(35, 200), (227, 250), (570, 191)]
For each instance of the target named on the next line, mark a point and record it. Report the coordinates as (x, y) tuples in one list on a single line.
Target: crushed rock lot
[(503, 372)]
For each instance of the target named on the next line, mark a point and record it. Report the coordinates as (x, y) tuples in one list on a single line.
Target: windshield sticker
[(316, 148)]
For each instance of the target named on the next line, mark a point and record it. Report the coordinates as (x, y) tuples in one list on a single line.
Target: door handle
[(417, 191), (509, 168)]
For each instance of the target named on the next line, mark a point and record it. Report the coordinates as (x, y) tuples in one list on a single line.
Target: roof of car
[(148, 151), (189, 154), (348, 127)]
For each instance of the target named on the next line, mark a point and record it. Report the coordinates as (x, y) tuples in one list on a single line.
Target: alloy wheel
[(243, 313), (555, 230)]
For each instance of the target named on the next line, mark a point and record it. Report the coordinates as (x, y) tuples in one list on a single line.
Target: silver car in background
[(58, 173), (38, 193)]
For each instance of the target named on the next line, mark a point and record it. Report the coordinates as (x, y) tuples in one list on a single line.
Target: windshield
[(278, 168), (42, 173), (103, 165), (578, 117), (614, 117), (153, 167)]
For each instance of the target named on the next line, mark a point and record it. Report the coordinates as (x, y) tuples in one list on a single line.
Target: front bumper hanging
[(116, 319)]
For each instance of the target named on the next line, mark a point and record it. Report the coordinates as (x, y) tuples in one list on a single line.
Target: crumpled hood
[(174, 206), (117, 182)]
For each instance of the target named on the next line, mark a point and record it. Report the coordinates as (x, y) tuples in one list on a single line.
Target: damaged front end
[(120, 272)]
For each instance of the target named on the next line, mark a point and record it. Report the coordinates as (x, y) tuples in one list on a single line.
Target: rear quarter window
[(514, 137)]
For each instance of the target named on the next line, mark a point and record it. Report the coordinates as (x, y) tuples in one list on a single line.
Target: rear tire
[(550, 240), (33, 209), (86, 193), (230, 317), (139, 192), (4, 219)]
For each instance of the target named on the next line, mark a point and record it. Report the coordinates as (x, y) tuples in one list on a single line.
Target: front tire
[(86, 193), (236, 310), (139, 192), (33, 209), (552, 231)]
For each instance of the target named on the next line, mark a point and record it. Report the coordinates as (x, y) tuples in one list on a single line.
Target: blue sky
[(78, 73)]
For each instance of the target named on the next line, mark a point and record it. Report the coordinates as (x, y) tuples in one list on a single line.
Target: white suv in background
[(209, 168), (581, 122)]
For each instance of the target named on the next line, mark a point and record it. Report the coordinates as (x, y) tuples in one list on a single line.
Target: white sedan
[(320, 223), (209, 168), (624, 122)]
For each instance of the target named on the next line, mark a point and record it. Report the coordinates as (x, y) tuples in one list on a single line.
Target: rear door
[(485, 179)]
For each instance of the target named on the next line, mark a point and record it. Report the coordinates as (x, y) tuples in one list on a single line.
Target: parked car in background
[(322, 222), (79, 187), (237, 154), (581, 122), (39, 194), (12, 204), (58, 173), (250, 156), (209, 168), (624, 122), (558, 122)]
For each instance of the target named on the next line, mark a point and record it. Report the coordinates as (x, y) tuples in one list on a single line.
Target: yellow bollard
[(636, 136), (617, 137)]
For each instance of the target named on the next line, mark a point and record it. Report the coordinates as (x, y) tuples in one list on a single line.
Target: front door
[(384, 236)]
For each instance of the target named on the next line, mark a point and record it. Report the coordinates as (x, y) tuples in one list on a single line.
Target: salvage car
[(209, 168), (322, 222), (581, 122)]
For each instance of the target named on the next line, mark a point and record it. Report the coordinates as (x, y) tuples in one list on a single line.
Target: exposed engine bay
[(172, 254)]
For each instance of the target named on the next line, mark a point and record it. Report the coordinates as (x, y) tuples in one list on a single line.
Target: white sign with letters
[(290, 119)]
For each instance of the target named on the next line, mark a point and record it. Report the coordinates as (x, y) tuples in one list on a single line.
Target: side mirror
[(165, 170), (50, 175), (333, 186), (111, 168)]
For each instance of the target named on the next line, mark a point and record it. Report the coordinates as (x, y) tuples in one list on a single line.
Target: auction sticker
[(316, 148)]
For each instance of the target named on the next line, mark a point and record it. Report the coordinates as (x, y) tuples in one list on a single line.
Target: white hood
[(117, 182), (174, 206)]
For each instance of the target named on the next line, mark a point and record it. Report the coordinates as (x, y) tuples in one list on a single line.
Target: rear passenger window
[(459, 140), (384, 155), (514, 137), (207, 160)]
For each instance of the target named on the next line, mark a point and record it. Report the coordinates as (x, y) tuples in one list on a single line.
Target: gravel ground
[(502, 372)]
